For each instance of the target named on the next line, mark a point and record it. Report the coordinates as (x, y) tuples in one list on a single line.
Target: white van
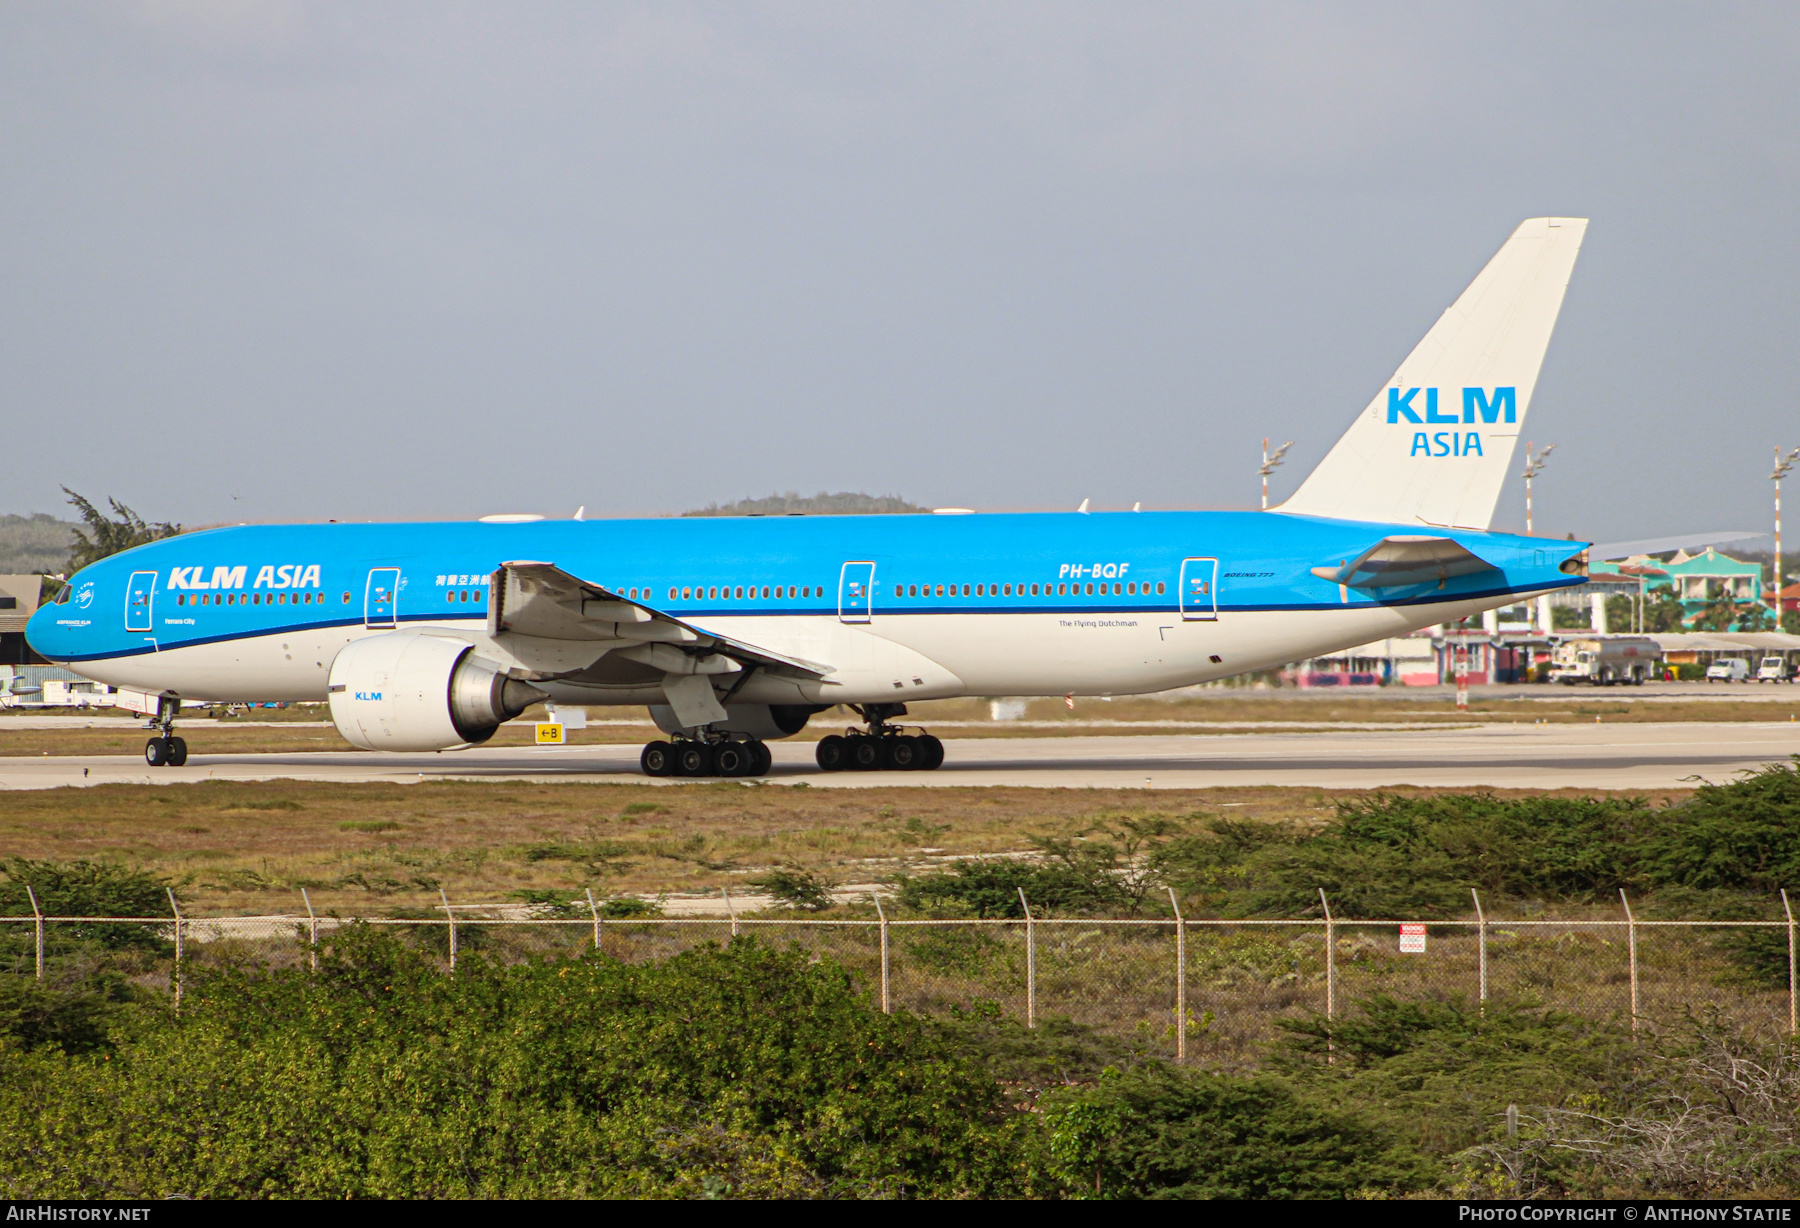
[(1774, 669), (1728, 669)]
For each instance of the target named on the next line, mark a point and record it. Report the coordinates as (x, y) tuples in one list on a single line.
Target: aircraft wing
[(542, 601), (1402, 560)]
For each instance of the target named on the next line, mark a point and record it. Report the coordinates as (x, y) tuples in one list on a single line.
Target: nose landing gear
[(881, 747), (165, 750)]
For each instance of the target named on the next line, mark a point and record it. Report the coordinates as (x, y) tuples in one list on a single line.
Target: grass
[(370, 848)]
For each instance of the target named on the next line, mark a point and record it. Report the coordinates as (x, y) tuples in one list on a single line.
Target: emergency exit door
[(1200, 589), (139, 595), (382, 598), (856, 593)]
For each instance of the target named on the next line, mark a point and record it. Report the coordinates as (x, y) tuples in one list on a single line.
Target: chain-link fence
[(1206, 989)]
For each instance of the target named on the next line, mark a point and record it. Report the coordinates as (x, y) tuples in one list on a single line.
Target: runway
[(1514, 756)]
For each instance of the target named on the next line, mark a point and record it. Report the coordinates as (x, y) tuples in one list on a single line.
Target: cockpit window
[(62, 598)]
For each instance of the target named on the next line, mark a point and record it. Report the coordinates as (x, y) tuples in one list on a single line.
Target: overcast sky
[(308, 261)]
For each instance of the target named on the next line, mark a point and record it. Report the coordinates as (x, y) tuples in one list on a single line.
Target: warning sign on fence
[(1412, 938)]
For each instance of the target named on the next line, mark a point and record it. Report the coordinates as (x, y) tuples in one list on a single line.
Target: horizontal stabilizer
[(1610, 551), (1396, 562)]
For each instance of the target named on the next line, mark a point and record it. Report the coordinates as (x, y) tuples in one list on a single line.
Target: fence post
[(887, 1007), (730, 910), (1180, 979), (1330, 958), (1030, 962), (1793, 1016), (595, 910), (1481, 947), (1631, 954), (176, 909), (312, 926), (450, 918), (37, 915)]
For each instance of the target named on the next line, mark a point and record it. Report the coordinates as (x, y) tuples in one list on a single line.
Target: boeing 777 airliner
[(733, 631)]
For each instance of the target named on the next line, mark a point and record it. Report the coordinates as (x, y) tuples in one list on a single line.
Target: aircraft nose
[(47, 633)]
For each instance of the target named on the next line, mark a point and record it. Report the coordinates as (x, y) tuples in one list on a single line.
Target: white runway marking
[(1617, 756)]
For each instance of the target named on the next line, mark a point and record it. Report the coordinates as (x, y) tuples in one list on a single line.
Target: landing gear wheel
[(693, 759), (868, 754), (156, 752), (733, 759), (765, 758), (177, 752), (934, 753), (833, 753), (658, 759), (904, 753)]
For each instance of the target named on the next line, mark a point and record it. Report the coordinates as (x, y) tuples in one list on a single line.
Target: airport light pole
[(1270, 463), (1782, 465), (1534, 465)]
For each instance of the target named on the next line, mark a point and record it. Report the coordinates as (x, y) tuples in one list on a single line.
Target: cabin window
[(1009, 590), (981, 590), (1159, 588), (1034, 590), (346, 598), (181, 600), (1090, 590)]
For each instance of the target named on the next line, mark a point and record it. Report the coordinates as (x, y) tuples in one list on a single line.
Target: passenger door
[(1200, 589), (139, 596), (856, 593), (382, 598)]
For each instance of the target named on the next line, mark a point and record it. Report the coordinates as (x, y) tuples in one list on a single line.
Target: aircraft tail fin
[(1436, 444)]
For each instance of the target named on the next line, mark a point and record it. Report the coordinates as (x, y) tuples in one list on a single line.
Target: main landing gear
[(691, 757), (880, 748), (165, 750)]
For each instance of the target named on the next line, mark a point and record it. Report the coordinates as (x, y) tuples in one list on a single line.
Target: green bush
[(1439, 1073), (87, 889), (1418, 857), (741, 1071), (1159, 1132)]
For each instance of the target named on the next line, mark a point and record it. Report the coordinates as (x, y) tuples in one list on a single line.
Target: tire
[(832, 753), (765, 758), (177, 752), (693, 759), (934, 753), (868, 754), (733, 759), (905, 753), (658, 759), (156, 752)]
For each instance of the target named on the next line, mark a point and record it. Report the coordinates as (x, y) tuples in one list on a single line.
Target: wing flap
[(542, 601), (1403, 560)]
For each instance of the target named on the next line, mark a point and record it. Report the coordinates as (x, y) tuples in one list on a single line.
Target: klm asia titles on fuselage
[(738, 631)]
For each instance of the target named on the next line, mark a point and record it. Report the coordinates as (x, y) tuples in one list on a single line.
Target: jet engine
[(765, 722), (406, 691)]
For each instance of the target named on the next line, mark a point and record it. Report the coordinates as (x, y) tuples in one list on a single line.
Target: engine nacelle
[(405, 691), (764, 721)]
